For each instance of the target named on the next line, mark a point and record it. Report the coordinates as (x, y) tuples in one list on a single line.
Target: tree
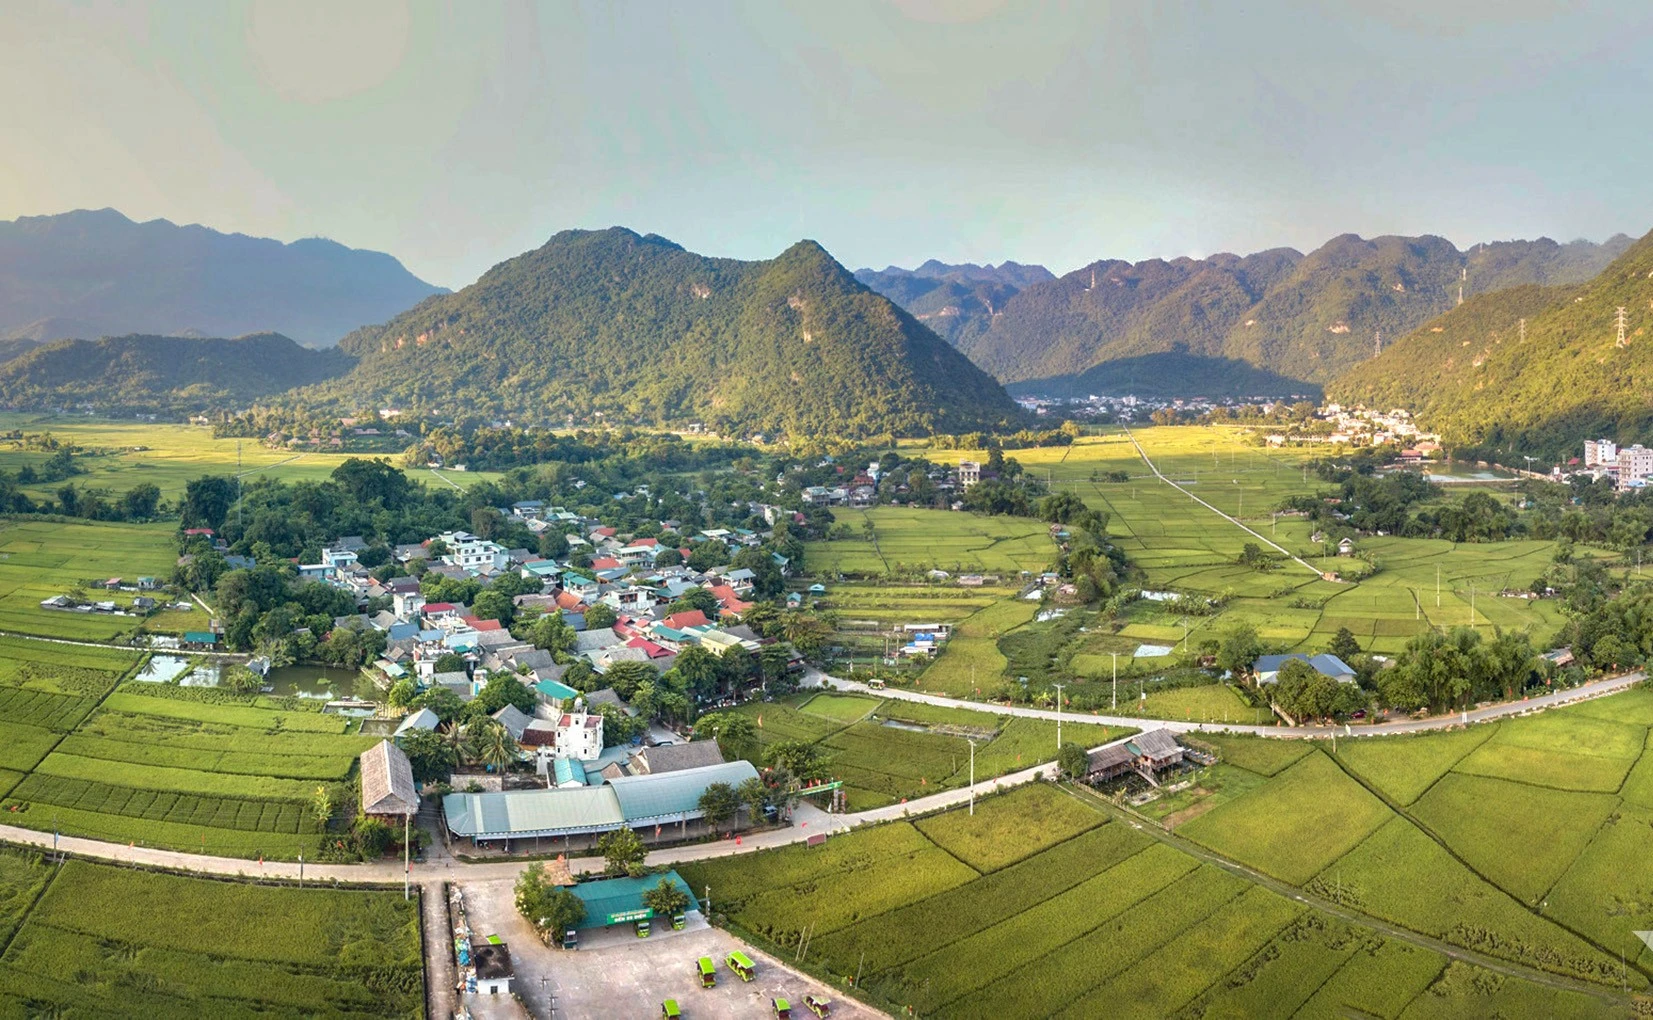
[(498, 749), (552, 633), (551, 909), (445, 703), (718, 804), (1239, 649), (1072, 760), (433, 758), (207, 501), (1344, 645), (801, 758), (599, 616), (697, 670), (450, 662), (503, 689), (242, 680), (708, 554), (666, 899), (402, 693), (754, 797), (140, 501), (623, 850), (1304, 692), (735, 734), (493, 605), (695, 598), (321, 805), (805, 632), (624, 677)]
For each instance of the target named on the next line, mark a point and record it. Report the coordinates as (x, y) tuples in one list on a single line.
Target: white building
[(1635, 464), (969, 473), (1600, 452), (469, 552)]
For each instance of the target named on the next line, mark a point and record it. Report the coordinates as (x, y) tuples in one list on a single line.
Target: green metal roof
[(616, 900), (520, 813), (674, 795), (559, 691)]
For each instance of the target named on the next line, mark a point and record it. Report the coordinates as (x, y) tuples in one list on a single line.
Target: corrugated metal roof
[(387, 781), (623, 896), (675, 794), (533, 812)]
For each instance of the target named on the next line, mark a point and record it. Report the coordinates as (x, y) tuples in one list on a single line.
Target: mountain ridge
[(616, 323), (89, 273)]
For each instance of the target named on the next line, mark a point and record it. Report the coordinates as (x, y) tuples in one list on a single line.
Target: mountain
[(1488, 380), (1299, 319), (638, 329), (162, 374), (955, 301), (88, 274)]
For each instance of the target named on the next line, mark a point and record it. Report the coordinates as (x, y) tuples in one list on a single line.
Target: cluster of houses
[(1630, 467), (1357, 426)]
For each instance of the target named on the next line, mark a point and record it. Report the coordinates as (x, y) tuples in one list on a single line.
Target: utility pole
[(1621, 323), (972, 744), (1463, 276), (1059, 688), (407, 862), (1437, 586), (238, 485), (1115, 705), (1472, 605)]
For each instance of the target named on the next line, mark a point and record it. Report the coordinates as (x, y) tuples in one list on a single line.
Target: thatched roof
[(387, 781)]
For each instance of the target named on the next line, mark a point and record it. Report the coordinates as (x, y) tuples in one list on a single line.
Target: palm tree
[(498, 749)]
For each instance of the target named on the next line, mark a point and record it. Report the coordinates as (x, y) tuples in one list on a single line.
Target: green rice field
[(88, 939)]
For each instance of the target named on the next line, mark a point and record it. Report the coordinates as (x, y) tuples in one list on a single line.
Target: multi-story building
[(1635, 465), (969, 473), (1600, 452)]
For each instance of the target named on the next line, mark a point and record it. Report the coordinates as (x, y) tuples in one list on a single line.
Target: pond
[(162, 668), (326, 682)]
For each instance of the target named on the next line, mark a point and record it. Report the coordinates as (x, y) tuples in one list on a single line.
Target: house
[(514, 720), (1145, 754), (424, 719), (969, 473), (493, 967), (1558, 657), (1267, 668), (676, 757), (1346, 547), (388, 791), (685, 620)]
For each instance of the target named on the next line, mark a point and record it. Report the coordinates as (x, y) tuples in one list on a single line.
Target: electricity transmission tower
[(1463, 276), (1377, 343), (1621, 325), (1523, 330)]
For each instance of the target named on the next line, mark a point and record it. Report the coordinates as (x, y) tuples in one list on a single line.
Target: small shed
[(620, 900), (388, 790), (493, 968)]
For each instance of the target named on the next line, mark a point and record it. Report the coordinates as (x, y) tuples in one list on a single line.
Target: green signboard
[(630, 915)]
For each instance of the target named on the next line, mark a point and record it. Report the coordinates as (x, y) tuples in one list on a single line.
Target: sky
[(457, 135)]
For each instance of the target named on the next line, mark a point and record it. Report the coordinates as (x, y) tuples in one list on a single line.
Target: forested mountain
[(637, 328), (161, 374), (1470, 374), (89, 274), (1300, 319), (956, 301)]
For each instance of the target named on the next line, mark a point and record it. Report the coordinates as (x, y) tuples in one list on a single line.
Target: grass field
[(170, 455), (882, 764), (906, 540), (1062, 914), (39, 559), (190, 769), (98, 940)]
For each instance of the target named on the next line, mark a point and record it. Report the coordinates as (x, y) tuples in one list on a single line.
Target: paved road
[(1593, 689), (1232, 520)]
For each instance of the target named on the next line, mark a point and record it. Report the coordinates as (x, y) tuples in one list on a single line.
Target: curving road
[(1501, 710)]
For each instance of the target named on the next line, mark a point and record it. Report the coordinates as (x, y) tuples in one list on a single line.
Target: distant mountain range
[(637, 328), (1272, 323), (1528, 369), (162, 375), (957, 302), (95, 273)]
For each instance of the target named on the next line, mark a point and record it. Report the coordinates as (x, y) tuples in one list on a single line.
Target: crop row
[(908, 932), (1011, 826), (245, 715), (829, 903), (734, 880), (289, 766), (1109, 947), (182, 837), (38, 708), (1006, 948), (183, 780), (22, 747), (900, 752), (249, 814), (106, 724)]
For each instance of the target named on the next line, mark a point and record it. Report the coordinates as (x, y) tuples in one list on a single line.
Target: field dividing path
[(1232, 520), (1593, 689)]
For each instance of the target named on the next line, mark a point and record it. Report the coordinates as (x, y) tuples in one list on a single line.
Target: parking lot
[(616, 974)]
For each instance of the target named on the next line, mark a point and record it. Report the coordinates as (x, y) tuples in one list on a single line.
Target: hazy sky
[(455, 135)]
